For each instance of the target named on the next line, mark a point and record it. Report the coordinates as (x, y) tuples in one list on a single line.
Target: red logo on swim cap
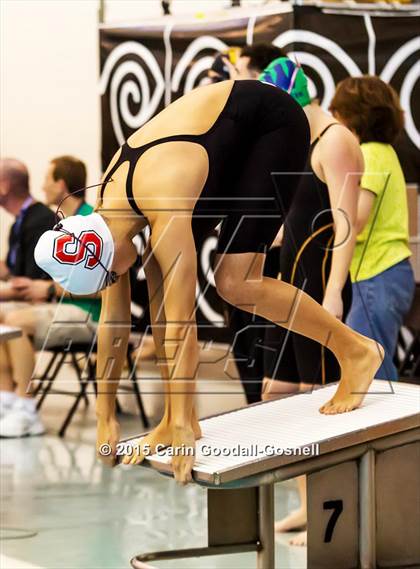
[(70, 250)]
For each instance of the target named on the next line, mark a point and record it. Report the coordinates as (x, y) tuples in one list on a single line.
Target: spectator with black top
[(32, 219)]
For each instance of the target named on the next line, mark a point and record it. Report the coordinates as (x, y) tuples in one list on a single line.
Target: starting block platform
[(363, 478)]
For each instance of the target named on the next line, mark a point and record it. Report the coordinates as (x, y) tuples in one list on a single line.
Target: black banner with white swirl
[(145, 67), (333, 43)]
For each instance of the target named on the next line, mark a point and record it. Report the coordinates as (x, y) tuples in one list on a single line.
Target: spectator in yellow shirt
[(382, 277)]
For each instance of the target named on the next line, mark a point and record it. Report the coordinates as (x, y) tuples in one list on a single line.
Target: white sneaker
[(19, 422), (4, 409), (7, 400)]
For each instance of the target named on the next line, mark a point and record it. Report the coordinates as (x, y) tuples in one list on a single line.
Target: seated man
[(32, 219), (38, 309)]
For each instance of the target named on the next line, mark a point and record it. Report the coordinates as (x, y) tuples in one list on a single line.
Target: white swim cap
[(77, 253)]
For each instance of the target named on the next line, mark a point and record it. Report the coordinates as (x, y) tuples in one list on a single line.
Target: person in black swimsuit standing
[(307, 247), (317, 244), (208, 157)]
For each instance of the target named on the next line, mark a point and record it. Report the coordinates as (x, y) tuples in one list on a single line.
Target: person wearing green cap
[(318, 239), (287, 75)]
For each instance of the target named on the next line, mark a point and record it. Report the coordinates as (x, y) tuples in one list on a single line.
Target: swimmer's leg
[(158, 322), (240, 281), (174, 250)]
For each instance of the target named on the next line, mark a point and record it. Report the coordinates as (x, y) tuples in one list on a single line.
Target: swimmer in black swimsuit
[(245, 144), (182, 185), (305, 261)]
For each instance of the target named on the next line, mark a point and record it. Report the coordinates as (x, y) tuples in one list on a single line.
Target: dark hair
[(261, 55), (16, 173), (220, 68), (369, 107), (72, 171)]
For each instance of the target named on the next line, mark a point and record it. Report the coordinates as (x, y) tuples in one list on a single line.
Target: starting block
[(363, 478)]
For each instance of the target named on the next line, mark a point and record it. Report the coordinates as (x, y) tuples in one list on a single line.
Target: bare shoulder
[(340, 144), (339, 135)]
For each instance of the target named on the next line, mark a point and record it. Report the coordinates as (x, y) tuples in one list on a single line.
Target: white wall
[(49, 74), (49, 102), (49, 98)]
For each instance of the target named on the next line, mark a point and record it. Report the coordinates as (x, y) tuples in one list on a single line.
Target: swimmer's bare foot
[(357, 373), (165, 435), (300, 539), (196, 426), (183, 444), (295, 520), (108, 435), (161, 435)]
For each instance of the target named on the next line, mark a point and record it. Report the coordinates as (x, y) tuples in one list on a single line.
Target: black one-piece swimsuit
[(305, 261), (256, 148), (262, 349)]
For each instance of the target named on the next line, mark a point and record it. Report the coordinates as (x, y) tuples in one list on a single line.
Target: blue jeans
[(378, 309)]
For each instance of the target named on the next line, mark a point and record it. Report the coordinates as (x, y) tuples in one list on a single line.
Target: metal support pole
[(265, 554), (367, 509)]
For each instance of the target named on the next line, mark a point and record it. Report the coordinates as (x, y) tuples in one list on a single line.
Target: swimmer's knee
[(276, 388), (231, 289)]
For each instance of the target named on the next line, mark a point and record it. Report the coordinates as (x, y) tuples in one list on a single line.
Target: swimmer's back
[(194, 113), (257, 106)]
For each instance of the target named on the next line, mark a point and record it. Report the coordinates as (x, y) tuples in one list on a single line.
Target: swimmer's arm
[(342, 165), (113, 333), (174, 249)]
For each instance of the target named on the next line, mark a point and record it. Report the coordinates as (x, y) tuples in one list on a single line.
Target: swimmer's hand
[(182, 442), (333, 302), (108, 436)]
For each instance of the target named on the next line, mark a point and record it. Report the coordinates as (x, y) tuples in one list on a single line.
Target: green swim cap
[(285, 74)]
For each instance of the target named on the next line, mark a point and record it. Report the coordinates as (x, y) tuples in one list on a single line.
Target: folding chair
[(72, 352)]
